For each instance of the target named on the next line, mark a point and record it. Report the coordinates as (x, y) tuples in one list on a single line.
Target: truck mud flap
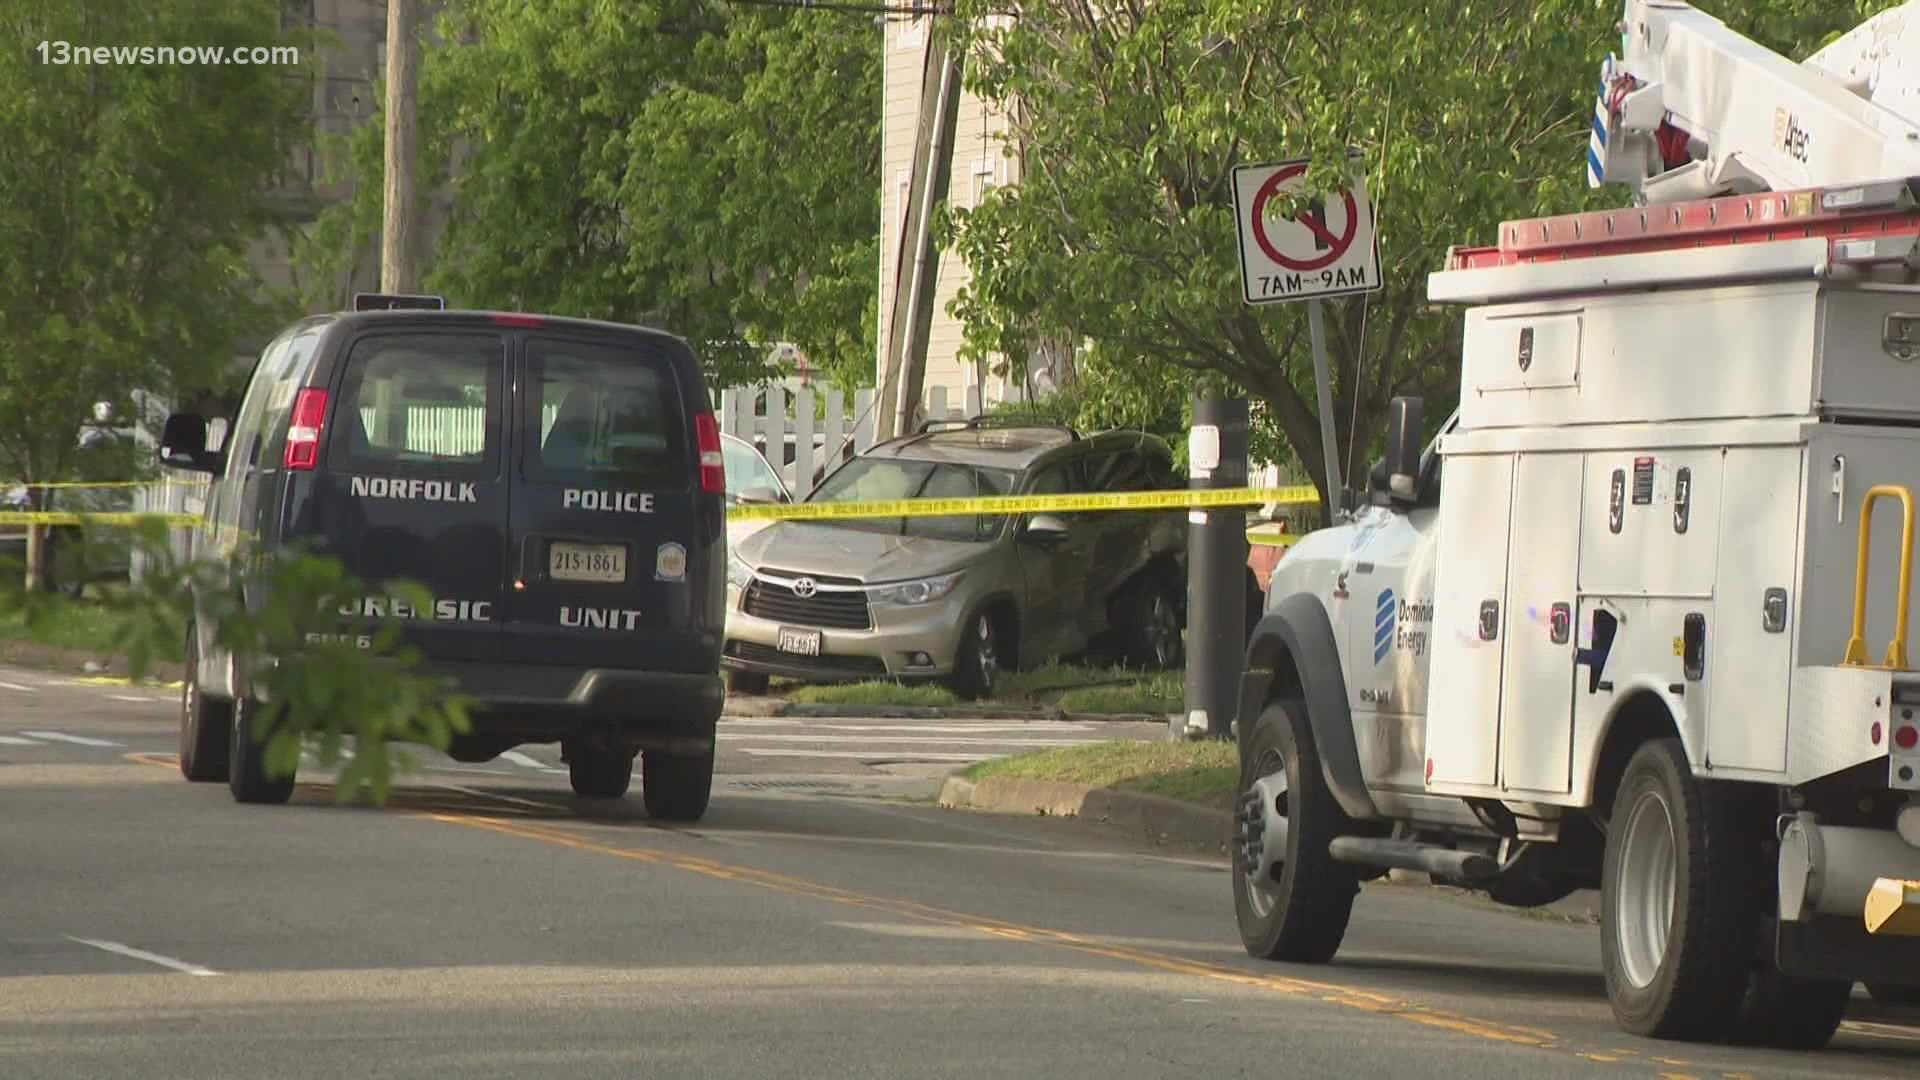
[(1298, 626)]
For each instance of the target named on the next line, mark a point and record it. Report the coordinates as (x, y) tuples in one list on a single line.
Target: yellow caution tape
[(1024, 504), (878, 508), (94, 517)]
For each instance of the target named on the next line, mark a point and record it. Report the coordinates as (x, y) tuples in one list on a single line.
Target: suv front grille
[(834, 610)]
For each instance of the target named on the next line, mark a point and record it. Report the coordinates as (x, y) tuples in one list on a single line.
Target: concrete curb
[(772, 707), (32, 654), (1168, 819)]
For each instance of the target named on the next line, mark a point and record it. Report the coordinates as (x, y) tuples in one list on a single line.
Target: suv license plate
[(804, 642), (587, 562)]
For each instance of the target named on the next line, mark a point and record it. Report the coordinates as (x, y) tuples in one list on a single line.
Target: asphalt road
[(489, 924)]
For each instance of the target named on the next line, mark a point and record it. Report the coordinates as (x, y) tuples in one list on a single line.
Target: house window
[(986, 177)]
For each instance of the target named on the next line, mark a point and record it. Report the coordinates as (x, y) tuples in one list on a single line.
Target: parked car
[(77, 556), (750, 480), (554, 483), (961, 598)]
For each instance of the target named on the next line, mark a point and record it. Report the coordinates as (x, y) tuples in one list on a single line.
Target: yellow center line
[(1329, 993)]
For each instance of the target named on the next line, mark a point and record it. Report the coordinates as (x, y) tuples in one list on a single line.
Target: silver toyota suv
[(959, 599)]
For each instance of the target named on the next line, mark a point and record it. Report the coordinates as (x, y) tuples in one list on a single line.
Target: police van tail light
[(303, 435), (713, 472)]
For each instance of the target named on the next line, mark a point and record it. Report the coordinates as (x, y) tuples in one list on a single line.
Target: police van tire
[(206, 727), (600, 772), (676, 787), (247, 776), (1301, 917), (1677, 915)]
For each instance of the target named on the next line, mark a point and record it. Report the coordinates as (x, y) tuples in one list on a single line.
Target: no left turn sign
[(1330, 250)]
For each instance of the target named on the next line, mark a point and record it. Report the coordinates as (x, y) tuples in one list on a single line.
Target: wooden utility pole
[(398, 242)]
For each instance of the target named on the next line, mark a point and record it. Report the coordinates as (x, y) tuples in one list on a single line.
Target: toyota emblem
[(804, 587)]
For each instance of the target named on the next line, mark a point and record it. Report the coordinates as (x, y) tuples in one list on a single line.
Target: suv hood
[(832, 550)]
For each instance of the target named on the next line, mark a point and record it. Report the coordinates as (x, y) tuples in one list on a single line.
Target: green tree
[(130, 192), (1130, 118), (709, 168)]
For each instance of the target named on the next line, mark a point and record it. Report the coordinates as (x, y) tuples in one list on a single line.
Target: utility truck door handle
[(1840, 489)]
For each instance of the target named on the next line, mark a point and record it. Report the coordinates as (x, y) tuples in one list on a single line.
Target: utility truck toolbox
[(1637, 618), (556, 484)]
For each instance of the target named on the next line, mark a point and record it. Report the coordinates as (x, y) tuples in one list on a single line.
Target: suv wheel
[(1150, 624), (599, 772), (206, 727), (676, 787), (976, 669)]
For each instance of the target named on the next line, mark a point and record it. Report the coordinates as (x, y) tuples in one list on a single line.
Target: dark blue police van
[(556, 484)]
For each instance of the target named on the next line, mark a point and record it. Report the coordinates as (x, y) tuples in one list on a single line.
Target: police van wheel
[(247, 776), (676, 787), (206, 727), (600, 772), (1678, 914), (1291, 899)]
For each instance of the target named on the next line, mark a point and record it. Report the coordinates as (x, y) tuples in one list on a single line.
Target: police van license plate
[(587, 562), (804, 642)]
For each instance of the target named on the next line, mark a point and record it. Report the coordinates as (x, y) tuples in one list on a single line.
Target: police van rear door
[(413, 484), (605, 483)]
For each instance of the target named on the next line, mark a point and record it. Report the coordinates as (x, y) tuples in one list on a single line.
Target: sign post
[(1332, 249)]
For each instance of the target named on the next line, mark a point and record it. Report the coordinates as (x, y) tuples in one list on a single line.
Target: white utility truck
[(1637, 618)]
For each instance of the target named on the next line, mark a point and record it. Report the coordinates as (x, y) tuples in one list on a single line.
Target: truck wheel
[(1785, 1012), (206, 727), (599, 772), (1677, 916), (247, 776), (676, 787), (1292, 900)]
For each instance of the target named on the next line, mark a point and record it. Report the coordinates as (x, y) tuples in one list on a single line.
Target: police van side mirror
[(1403, 447), (183, 444)]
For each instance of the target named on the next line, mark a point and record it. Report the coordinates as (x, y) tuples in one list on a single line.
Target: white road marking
[(142, 954), (479, 794), (854, 755), (11, 740), (81, 740), (136, 700), (17, 686), (957, 728), (519, 758)]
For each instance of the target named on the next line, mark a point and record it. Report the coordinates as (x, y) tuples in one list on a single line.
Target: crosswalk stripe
[(985, 728), (17, 686), (519, 758), (906, 740), (10, 740), (907, 755), (79, 739)]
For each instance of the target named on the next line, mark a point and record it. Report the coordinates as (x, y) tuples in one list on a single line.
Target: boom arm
[(1692, 110)]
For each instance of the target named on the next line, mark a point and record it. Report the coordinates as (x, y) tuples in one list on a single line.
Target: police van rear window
[(426, 402), (603, 412)]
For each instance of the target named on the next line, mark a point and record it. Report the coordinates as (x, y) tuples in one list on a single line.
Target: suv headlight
[(739, 574), (919, 591)]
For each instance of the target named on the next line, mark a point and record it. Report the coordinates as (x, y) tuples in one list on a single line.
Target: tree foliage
[(131, 195), (690, 164), (277, 613), (1131, 116)]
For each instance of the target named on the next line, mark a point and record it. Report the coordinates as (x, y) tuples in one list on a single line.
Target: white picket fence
[(806, 432)]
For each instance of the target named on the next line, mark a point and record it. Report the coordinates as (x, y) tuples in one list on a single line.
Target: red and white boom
[(1691, 110)]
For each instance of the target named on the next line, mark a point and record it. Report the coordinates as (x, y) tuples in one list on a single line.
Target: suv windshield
[(867, 479)]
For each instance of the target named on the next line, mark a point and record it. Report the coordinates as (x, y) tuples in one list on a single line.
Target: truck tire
[(247, 776), (206, 727), (676, 787), (1786, 1012), (1300, 914), (600, 772), (1677, 916)]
